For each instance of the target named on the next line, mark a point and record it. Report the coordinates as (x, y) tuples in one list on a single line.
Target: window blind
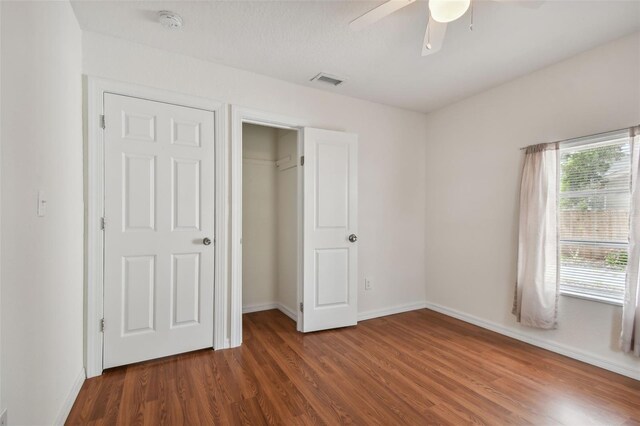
[(593, 216)]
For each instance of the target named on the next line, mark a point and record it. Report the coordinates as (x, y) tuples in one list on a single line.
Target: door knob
[(206, 241), (353, 238)]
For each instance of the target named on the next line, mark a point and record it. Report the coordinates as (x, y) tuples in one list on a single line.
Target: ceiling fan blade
[(374, 15), (433, 37), (529, 4)]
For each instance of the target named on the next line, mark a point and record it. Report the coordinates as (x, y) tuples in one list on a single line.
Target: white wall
[(391, 152), (42, 258), (259, 219), (287, 244), (473, 176)]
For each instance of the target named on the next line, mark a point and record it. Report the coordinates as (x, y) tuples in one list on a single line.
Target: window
[(593, 216)]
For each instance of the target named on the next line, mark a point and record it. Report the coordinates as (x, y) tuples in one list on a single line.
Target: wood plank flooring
[(418, 368)]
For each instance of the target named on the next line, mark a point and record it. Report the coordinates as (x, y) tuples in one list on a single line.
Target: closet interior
[(269, 219)]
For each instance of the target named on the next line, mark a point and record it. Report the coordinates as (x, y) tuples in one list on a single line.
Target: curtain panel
[(537, 287), (630, 337)]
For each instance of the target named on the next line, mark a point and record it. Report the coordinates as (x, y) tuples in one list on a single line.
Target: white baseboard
[(268, 306), (287, 311), (398, 309), (362, 316), (247, 309), (71, 398), (568, 351)]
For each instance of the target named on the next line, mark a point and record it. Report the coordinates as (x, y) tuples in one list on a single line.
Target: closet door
[(159, 186), (330, 259)]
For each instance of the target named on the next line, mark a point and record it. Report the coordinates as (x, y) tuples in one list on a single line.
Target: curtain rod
[(634, 129)]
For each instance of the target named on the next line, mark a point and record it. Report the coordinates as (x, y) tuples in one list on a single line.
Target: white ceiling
[(294, 40)]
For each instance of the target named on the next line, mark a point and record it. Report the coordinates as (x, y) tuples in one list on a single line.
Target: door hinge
[(103, 122), (102, 324), (302, 160), (301, 307), (103, 222)]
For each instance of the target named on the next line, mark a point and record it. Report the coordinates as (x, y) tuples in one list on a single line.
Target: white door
[(159, 208), (330, 227)]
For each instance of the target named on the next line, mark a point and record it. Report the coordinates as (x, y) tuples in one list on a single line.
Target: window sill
[(592, 298)]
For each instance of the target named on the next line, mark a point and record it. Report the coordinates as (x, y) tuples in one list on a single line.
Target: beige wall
[(391, 168), (473, 172), (287, 238), (269, 235), (259, 216), (42, 257)]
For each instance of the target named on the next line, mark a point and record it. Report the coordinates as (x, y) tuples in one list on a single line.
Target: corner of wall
[(478, 165), (32, 391)]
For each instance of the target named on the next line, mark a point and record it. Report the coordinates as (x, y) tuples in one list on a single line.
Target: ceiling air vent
[(328, 79)]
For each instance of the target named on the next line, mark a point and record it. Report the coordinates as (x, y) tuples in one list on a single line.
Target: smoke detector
[(169, 19)]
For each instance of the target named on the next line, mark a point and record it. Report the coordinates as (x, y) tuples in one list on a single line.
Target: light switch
[(42, 204)]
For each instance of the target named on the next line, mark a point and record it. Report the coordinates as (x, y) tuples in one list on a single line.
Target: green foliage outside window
[(585, 171), (617, 259)]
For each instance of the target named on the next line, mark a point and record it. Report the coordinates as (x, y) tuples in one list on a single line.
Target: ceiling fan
[(441, 12)]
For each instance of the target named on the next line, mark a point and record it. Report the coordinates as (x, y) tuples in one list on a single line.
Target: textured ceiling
[(294, 40)]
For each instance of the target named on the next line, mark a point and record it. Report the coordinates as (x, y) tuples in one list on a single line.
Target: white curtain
[(537, 289), (630, 338)]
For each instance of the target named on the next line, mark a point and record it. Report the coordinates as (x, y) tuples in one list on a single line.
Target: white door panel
[(138, 184), (159, 206), (330, 204), (185, 194), (185, 285)]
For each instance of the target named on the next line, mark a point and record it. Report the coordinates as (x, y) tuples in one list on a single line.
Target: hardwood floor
[(420, 367)]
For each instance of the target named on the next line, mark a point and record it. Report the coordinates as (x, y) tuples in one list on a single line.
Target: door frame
[(94, 90), (239, 116)]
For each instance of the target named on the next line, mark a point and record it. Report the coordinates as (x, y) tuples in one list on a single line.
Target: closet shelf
[(285, 163)]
